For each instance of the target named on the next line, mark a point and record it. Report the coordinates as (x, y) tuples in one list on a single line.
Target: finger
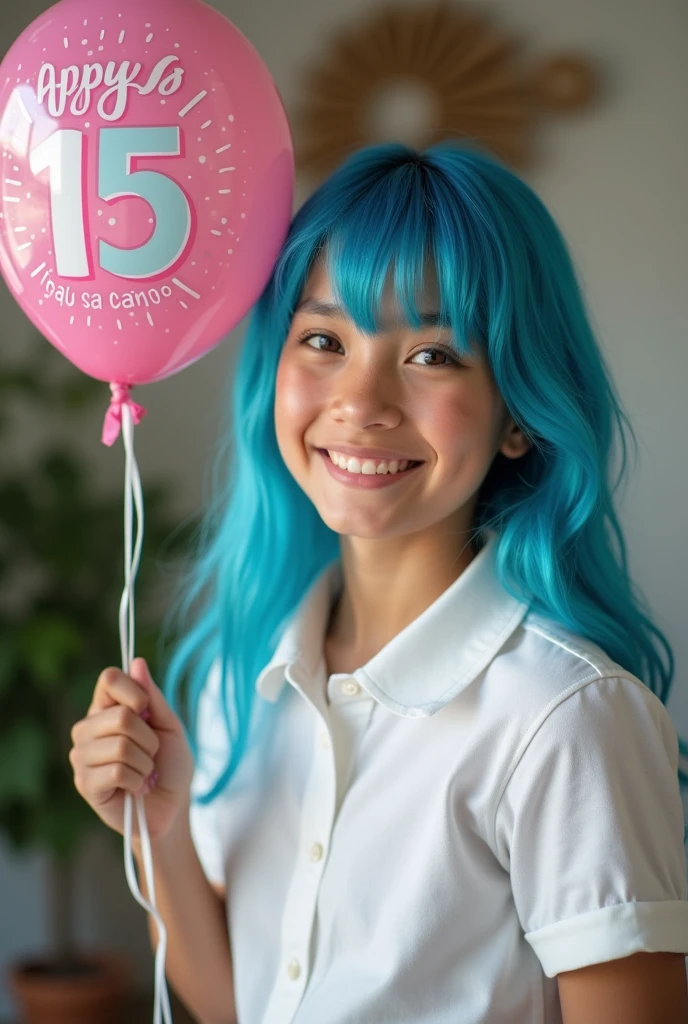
[(99, 784), (117, 750), (115, 687), (161, 714), (118, 721)]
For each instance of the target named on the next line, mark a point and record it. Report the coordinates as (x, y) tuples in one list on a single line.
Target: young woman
[(429, 773)]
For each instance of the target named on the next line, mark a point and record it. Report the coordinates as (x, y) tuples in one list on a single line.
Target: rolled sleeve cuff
[(611, 933)]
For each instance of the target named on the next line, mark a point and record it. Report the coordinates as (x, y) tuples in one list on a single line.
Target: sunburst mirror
[(419, 73)]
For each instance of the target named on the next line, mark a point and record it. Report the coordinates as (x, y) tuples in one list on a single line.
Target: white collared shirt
[(431, 839)]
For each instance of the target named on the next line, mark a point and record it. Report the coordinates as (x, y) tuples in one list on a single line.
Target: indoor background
[(612, 173)]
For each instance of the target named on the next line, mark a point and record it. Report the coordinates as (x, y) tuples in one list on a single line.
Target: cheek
[(462, 429), (458, 424), (293, 405)]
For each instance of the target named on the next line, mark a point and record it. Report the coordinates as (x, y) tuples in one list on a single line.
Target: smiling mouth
[(411, 465)]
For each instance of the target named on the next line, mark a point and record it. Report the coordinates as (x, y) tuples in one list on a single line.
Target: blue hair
[(506, 281)]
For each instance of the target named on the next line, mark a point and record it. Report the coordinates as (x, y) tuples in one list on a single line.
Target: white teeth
[(368, 467)]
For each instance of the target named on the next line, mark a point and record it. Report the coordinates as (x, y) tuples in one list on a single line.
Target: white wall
[(614, 178)]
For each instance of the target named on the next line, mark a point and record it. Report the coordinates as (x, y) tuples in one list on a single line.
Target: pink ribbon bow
[(113, 416)]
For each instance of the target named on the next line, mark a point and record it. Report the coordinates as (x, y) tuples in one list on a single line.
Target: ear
[(514, 441)]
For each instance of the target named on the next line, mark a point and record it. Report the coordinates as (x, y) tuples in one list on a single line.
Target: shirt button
[(293, 969), (324, 740), (316, 851), (350, 688)]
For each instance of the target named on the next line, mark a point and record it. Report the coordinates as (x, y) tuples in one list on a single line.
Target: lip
[(365, 481)]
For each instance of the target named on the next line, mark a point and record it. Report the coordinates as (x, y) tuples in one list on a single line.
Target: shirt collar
[(425, 665)]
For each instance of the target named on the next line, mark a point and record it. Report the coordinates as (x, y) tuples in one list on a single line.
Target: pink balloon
[(147, 181)]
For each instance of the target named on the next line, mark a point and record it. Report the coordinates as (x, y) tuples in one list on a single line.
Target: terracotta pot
[(96, 989)]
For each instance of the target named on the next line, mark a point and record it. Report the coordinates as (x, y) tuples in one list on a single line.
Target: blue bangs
[(382, 228)]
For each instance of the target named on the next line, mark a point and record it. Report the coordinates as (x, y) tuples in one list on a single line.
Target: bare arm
[(639, 989), (198, 962)]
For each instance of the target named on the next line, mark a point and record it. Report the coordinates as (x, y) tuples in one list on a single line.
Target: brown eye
[(449, 356), (317, 334)]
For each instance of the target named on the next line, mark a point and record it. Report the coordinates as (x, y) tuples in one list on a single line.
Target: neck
[(385, 586)]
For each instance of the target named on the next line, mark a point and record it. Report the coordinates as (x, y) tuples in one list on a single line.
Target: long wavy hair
[(507, 281)]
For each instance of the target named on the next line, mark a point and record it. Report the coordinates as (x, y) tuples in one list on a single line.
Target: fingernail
[(146, 715), (149, 784)]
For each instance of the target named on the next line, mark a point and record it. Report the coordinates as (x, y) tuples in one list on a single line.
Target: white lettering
[(172, 83), (119, 82), (156, 74), (55, 88), (133, 300), (46, 84), (57, 94), (90, 80), (65, 296)]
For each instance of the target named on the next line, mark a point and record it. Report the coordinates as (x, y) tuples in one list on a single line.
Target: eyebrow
[(331, 309)]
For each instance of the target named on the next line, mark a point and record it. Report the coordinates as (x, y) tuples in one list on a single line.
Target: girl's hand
[(116, 751)]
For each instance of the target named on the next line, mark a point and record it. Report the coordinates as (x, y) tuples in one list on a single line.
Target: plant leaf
[(61, 469), (17, 507), (78, 392), (23, 760), (61, 827), (8, 660), (48, 642), (20, 379)]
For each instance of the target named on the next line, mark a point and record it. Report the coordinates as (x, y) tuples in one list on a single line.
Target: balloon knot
[(113, 416)]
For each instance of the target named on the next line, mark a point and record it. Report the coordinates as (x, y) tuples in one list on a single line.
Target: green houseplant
[(61, 579)]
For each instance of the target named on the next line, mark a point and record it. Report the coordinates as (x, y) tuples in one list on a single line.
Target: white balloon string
[(132, 487)]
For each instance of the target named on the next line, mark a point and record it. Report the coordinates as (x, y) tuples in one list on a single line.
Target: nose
[(367, 395)]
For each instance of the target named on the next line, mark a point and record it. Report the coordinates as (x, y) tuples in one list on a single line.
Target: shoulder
[(564, 700), (580, 662), (551, 645), (570, 648), (550, 682), (543, 663)]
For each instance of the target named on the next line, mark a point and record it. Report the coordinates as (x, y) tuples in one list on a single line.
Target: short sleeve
[(212, 756), (591, 825)]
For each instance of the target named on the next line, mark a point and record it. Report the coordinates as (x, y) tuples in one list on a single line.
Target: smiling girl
[(435, 780), (403, 509)]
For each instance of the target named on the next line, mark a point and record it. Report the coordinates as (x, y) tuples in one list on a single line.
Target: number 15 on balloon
[(64, 155)]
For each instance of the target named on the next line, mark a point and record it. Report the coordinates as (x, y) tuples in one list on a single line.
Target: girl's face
[(337, 386)]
